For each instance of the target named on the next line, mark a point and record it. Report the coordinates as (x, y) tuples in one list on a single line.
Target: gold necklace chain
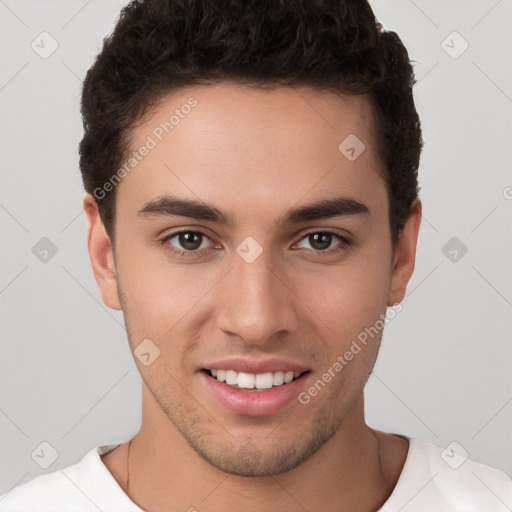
[(128, 467)]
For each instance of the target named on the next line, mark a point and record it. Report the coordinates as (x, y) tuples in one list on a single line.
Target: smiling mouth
[(252, 381)]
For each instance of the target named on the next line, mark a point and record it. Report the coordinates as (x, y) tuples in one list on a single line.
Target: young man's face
[(256, 295)]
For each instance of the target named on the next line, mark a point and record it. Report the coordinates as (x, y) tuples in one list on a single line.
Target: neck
[(346, 473)]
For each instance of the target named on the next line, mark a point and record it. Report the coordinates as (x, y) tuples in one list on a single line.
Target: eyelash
[(190, 254)]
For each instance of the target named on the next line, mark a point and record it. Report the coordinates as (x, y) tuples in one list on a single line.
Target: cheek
[(349, 298), (158, 295)]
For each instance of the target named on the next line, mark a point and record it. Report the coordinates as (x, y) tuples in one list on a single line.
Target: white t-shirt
[(427, 484)]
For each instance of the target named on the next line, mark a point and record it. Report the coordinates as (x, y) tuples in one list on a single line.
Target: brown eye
[(320, 241), (185, 243), (189, 240)]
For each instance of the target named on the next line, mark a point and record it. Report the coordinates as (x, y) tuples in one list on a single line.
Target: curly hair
[(158, 46)]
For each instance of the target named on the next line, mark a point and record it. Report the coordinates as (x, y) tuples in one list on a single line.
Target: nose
[(257, 300)]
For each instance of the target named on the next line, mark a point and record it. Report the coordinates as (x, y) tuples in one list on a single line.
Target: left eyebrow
[(322, 209)]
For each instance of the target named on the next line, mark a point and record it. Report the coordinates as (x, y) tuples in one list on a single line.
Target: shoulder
[(42, 491), (70, 488), (448, 479)]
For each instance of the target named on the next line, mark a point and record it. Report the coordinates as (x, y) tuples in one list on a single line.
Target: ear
[(101, 254), (405, 255)]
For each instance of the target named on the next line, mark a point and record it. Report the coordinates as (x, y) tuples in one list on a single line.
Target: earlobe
[(405, 255), (101, 254)]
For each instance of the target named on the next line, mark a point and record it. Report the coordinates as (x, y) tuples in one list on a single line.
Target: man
[(252, 206)]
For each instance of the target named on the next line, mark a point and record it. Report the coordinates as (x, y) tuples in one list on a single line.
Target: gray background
[(67, 376)]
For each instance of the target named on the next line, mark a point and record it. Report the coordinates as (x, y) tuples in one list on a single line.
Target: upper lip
[(245, 365)]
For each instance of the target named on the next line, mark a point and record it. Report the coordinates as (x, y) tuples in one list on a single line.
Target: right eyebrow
[(175, 206)]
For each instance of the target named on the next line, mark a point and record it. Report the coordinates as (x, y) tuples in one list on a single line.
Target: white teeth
[(231, 377), (254, 381), (245, 380), (264, 381), (278, 378)]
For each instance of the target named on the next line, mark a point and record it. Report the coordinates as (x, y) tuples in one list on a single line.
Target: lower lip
[(254, 402)]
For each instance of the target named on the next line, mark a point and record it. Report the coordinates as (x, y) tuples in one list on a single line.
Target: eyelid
[(197, 231), (344, 235), (344, 241)]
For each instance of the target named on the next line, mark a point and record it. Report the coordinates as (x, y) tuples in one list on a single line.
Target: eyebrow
[(322, 209)]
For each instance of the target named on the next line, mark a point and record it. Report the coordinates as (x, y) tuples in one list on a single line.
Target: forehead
[(257, 114), (250, 146)]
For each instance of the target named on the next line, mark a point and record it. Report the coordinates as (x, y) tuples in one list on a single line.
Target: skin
[(255, 154)]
